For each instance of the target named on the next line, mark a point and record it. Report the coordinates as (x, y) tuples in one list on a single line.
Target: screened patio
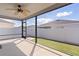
[(16, 41)]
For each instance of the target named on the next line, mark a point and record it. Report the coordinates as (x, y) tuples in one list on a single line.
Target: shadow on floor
[(33, 49)]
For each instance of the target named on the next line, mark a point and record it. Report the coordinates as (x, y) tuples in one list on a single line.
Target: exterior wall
[(68, 34)]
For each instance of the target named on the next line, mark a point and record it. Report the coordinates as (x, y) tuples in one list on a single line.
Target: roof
[(34, 8)]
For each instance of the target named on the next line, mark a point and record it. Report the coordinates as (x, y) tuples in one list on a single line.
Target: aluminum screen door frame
[(24, 29), (36, 29), (25, 36)]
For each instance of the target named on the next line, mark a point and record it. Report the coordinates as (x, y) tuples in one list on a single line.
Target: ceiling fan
[(20, 11)]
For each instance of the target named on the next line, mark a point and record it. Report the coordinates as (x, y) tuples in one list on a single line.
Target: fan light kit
[(19, 11)]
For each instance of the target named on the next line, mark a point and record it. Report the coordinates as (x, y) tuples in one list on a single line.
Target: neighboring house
[(59, 30), (6, 24)]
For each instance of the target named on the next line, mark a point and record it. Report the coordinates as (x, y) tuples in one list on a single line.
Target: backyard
[(62, 47)]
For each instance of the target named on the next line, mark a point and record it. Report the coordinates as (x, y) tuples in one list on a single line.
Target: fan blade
[(16, 5), (10, 9), (16, 13), (26, 10), (25, 13)]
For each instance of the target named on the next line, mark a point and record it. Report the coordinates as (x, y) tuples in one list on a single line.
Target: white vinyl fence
[(10, 33), (68, 35)]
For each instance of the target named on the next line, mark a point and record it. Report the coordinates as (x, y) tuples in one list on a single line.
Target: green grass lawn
[(62, 47)]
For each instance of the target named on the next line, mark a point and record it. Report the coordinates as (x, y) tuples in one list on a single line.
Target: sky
[(70, 12)]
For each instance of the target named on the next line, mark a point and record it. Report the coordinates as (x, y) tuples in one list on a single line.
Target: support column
[(22, 28), (26, 29), (36, 29)]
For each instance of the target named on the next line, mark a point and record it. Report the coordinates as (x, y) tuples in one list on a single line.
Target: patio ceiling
[(34, 9)]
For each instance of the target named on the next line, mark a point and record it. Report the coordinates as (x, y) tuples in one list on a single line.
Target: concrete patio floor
[(25, 47), (10, 49)]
